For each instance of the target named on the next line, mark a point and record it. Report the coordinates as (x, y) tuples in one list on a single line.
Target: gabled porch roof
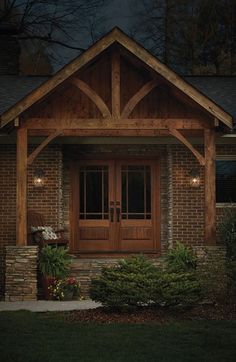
[(117, 36)]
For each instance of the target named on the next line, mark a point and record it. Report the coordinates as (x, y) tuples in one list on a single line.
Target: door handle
[(112, 214), (112, 211), (118, 214)]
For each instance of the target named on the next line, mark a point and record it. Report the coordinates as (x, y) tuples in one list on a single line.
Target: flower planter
[(47, 282)]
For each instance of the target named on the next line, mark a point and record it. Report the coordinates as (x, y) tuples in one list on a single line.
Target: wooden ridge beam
[(142, 92), (36, 152), (95, 98), (174, 132)]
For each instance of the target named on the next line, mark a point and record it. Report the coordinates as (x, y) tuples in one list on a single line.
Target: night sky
[(120, 13)]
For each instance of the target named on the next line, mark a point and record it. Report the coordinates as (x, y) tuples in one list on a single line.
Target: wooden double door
[(115, 206)]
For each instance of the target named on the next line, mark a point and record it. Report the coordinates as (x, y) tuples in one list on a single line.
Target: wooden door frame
[(74, 201)]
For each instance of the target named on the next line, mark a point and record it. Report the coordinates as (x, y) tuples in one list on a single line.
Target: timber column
[(210, 189), (21, 187), (21, 260)]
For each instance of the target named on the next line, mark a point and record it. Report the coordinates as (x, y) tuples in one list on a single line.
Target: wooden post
[(21, 188), (210, 189)]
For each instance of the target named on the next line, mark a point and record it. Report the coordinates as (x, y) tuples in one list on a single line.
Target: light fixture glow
[(39, 178), (195, 178)]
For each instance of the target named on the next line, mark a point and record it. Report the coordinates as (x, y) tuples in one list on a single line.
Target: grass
[(31, 337)]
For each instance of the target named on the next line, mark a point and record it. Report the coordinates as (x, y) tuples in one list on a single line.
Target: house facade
[(133, 158)]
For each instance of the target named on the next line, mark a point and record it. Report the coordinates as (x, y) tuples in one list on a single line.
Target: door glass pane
[(136, 192), (93, 192)]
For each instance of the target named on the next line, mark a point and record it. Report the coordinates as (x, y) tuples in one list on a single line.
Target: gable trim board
[(116, 36)]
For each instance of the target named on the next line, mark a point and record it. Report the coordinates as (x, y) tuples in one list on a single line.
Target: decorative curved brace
[(174, 132), (142, 92), (47, 140), (95, 98)]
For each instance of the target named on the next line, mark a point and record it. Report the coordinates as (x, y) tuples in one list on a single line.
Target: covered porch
[(123, 125)]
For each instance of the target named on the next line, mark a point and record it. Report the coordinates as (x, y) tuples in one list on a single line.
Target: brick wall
[(188, 202), (46, 200)]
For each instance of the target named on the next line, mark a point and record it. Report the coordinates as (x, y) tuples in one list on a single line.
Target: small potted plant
[(54, 264), (66, 289)]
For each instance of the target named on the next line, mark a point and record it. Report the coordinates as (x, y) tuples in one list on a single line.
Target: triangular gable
[(118, 36)]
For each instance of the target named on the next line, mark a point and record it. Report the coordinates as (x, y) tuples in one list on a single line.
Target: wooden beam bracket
[(142, 92), (95, 98), (174, 132), (35, 153)]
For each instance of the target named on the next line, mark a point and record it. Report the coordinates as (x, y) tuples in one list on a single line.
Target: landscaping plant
[(65, 289), (181, 258), (54, 261), (54, 264), (227, 231), (135, 281), (129, 283)]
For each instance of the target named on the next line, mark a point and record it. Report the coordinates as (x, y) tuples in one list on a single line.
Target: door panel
[(136, 190), (117, 208), (95, 189)]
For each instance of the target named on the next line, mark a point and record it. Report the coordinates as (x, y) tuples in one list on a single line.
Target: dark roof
[(221, 90), (15, 87)]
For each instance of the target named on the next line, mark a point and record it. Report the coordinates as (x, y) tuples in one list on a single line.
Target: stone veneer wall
[(86, 269), (21, 273)]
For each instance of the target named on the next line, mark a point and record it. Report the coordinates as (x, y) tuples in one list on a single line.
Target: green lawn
[(26, 336)]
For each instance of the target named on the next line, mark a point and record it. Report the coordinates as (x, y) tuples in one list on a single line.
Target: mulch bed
[(153, 315)]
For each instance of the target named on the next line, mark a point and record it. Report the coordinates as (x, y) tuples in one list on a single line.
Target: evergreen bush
[(135, 282)]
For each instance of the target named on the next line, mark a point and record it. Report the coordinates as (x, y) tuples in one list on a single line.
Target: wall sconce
[(39, 178), (195, 178)]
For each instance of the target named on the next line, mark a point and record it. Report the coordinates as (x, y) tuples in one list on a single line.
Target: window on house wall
[(226, 181)]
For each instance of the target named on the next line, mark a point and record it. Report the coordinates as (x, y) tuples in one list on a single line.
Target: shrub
[(212, 275), (181, 258), (129, 283), (54, 261), (135, 281), (179, 288), (227, 231)]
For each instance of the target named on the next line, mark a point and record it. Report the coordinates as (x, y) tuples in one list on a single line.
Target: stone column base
[(21, 273)]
